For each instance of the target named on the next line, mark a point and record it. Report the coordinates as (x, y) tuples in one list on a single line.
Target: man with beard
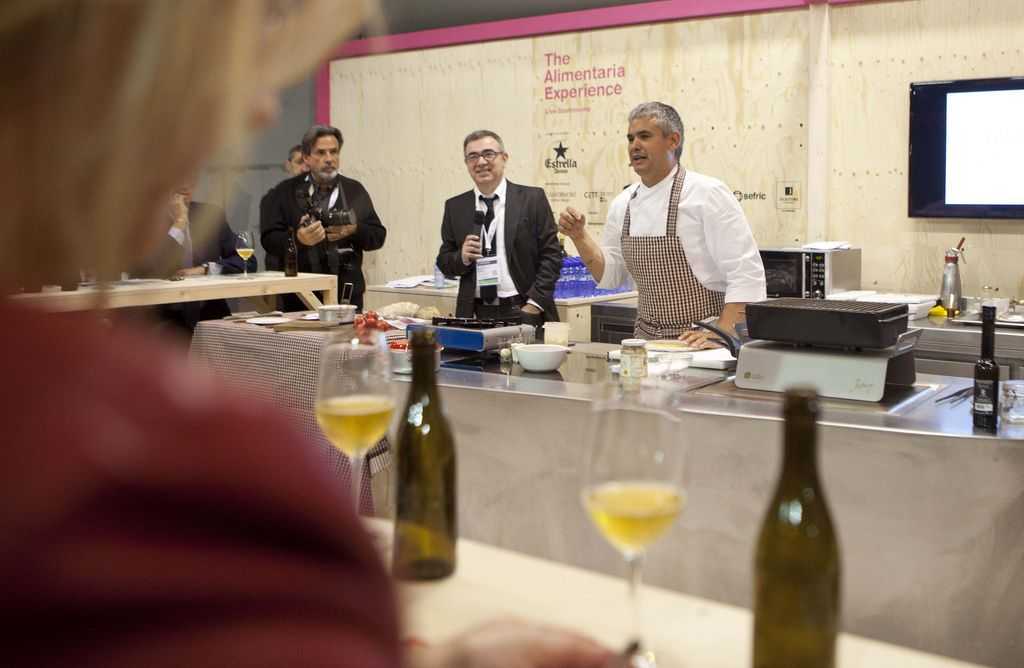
[(500, 239), (331, 216), (679, 235)]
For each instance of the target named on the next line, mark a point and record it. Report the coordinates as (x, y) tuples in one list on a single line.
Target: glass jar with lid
[(633, 362)]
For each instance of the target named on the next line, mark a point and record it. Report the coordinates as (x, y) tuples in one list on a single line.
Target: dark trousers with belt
[(507, 307)]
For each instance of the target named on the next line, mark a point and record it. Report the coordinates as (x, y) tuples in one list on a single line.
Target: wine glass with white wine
[(354, 402), (633, 481), (245, 249)]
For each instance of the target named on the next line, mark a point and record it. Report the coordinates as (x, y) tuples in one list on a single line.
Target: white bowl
[(541, 356), (336, 314), (401, 360)]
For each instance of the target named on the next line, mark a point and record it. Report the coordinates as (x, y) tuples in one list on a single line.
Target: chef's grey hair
[(664, 116)]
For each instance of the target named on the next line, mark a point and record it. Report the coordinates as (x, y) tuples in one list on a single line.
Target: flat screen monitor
[(967, 149)]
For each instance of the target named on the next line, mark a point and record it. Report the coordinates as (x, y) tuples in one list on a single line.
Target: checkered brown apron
[(671, 297)]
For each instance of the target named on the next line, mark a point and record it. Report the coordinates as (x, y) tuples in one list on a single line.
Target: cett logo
[(561, 164)]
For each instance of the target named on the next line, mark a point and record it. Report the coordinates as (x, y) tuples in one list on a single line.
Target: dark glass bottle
[(796, 568), (291, 256), (426, 527), (986, 375)]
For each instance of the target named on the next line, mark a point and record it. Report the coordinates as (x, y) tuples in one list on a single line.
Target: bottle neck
[(423, 370), (988, 339), (800, 455)]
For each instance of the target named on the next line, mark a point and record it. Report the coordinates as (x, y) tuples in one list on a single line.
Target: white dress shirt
[(181, 236), (715, 235), (506, 287)]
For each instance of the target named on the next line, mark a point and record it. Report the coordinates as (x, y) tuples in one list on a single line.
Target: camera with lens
[(343, 217)]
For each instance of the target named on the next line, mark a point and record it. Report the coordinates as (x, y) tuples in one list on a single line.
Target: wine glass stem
[(356, 467), (635, 562)]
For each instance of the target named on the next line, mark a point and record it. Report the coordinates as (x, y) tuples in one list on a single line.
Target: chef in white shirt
[(679, 236)]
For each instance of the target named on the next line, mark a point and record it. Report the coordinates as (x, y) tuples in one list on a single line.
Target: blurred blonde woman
[(129, 535)]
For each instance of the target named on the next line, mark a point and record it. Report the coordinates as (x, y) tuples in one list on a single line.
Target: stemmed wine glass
[(633, 479), (354, 402), (244, 248)]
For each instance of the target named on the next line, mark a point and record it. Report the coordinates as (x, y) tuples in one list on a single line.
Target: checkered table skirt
[(282, 368)]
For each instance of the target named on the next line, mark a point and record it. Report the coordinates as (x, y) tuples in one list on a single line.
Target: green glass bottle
[(426, 522), (796, 569)]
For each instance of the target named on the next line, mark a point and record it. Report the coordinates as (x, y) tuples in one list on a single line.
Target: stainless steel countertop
[(712, 392), (953, 338)]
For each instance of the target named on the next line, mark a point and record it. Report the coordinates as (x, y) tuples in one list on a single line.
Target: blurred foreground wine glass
[(633, 480), (354, 402)]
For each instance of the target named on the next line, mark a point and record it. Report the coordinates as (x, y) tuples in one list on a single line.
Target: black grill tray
[(827, 323)]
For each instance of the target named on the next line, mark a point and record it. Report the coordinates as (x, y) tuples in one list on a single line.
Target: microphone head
[(479, 218)]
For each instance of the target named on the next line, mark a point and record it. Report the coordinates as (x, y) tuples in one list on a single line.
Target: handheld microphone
[(479, 220)]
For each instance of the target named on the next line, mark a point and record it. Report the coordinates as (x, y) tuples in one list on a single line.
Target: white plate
[(268, 320), (311, 316)]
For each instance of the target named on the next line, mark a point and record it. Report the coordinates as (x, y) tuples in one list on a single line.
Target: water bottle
[(560, 284), (589, 284)]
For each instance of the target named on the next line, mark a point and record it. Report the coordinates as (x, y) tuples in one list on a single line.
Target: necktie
[(489, 292)]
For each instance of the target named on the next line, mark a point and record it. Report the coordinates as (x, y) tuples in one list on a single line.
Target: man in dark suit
[(331, 216), (199, 242), (500, 239)]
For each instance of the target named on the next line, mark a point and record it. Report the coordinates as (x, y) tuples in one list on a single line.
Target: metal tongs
[(958, 397)]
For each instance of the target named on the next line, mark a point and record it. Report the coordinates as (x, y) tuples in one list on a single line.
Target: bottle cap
[(423, 338), (800, 400)]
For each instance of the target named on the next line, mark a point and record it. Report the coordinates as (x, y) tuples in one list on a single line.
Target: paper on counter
[(716, 358), (900, 298), (850, 295), (409, 282), (826, 245), (418, 281)]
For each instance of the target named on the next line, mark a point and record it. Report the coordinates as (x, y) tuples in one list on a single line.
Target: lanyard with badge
[(487, 266)]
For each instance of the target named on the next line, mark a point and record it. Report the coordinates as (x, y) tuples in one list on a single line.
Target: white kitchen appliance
[(860, 375)]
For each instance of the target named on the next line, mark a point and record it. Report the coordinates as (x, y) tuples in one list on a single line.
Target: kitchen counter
[(575, 311), (951, 348), (930, 515), (911, 410)]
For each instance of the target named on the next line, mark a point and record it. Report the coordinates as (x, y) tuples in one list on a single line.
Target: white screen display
[(984, 147)]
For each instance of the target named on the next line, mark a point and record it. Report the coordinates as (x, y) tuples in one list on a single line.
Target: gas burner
[(475, 323)]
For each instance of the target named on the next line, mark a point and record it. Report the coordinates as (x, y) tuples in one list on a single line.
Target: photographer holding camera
[(331, 216)]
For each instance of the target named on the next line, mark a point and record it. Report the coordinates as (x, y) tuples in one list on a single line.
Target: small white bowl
[(541, 356), (401, 359), (336, 314)]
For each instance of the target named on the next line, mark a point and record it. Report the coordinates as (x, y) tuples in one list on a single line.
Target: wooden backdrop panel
[(404, 117), (878, 49), (739, 83)]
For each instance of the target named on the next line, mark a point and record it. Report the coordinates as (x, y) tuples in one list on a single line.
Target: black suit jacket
[(212, 241), (280, 211), (531, 246)]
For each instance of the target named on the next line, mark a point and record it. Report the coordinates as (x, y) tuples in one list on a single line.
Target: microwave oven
[(812, 274)]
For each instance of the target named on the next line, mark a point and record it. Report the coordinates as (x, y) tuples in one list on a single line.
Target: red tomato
[(399, 345), (383, 326)]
